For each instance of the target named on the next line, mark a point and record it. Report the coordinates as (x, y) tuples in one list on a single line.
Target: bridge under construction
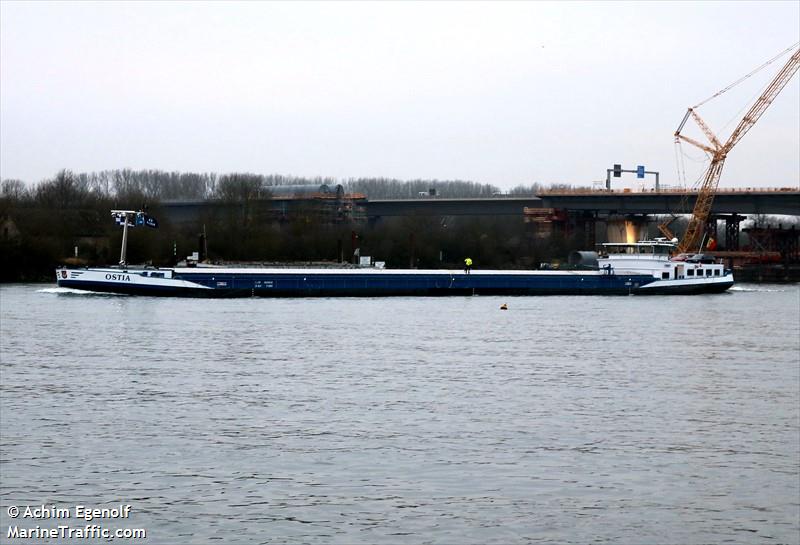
[(615, 216)]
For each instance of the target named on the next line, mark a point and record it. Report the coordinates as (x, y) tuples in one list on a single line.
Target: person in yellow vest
[(467, 265)]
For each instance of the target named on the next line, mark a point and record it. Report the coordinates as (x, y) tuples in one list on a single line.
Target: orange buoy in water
[(504, 307)]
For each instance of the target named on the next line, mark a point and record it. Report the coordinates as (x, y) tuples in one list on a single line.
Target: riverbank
[(767, 274)]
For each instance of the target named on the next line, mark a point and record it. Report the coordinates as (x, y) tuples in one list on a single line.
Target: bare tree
[(64, 191), (15, 190)]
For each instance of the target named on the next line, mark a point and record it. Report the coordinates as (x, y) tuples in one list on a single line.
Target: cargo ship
[(640, 268)]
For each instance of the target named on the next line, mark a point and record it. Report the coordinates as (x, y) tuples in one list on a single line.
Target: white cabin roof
[(643, 243)]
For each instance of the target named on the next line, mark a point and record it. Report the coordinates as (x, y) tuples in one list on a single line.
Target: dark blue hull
[(383, 285), (355, 283)]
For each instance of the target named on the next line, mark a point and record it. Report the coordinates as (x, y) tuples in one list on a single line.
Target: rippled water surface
[(408, 420)]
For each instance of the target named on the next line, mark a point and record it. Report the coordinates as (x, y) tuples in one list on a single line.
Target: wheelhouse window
[(662, 250), (634, 248)]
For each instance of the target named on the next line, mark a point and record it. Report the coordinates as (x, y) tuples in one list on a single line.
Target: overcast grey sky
[(501, 93)]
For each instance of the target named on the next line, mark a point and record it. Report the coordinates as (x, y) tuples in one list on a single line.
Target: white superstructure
[(654, 257)]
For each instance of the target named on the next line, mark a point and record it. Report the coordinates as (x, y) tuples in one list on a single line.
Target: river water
[(406, 420)]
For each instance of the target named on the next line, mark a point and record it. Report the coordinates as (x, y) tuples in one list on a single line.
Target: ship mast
[(123, 216)]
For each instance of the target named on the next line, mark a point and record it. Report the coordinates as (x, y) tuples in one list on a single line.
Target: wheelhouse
[(655, 257)]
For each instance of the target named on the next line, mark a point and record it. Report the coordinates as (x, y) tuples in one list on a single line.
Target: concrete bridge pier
[(586, 228), (630, 228)]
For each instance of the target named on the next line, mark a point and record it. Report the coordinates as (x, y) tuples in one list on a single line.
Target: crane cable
[(679, 164), (680, 155), (680, 161), (740, 80)]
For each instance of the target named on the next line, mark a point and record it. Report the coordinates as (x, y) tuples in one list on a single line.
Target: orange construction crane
[(718, 151)]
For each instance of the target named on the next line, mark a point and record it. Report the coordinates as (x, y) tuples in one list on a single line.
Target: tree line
[(42, 226), (162, 186)]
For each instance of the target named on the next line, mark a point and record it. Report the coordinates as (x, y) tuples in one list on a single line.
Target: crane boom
[(760, 106), (719, 152)]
